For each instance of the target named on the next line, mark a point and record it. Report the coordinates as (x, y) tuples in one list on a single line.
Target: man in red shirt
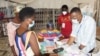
[(64, 22)]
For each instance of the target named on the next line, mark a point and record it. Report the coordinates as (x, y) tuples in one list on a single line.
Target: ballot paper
[(72, 50)]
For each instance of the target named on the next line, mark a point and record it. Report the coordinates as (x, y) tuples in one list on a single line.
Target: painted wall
[(59, 3), (3, 3), (52, 3)]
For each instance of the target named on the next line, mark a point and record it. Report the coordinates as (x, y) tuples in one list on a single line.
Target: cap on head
[(17, 9), (64, 8), (50, 25)]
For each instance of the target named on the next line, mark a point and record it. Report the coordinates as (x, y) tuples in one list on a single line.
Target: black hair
[(64, 8), (50, 24), (75, 9), (26, 12)]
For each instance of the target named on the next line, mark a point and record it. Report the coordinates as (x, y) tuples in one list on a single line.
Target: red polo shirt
[(66, 25)]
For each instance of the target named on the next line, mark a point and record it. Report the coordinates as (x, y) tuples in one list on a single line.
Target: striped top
[(20, 42), (49, 35)]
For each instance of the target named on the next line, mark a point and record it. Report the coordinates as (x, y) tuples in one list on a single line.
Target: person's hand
[(40, 39), (14, 54), (61, 38), (13, 51), (81, 47)]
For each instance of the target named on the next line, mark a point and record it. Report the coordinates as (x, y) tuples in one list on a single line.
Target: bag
[(29, 51)]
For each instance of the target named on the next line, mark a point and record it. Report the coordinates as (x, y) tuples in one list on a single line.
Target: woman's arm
[(34, 45), (11, 38), (13, 50)]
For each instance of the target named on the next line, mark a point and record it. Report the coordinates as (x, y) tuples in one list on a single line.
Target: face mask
[(31, 25), (75, 21), (64, 12)]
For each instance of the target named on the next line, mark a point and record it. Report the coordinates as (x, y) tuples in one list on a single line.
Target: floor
[(6, 51), (4, 47)]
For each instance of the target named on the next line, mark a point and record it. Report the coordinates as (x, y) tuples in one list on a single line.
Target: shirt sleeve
[(59, 20), (74, 31), (89, 33), (11, 34)]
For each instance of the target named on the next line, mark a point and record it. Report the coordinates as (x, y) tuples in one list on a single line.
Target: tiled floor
[(5, 49)]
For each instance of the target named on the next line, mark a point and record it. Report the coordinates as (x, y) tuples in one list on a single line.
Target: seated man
[(83, 31)]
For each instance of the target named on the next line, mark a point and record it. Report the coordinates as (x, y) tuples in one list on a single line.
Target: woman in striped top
[(26, 15)]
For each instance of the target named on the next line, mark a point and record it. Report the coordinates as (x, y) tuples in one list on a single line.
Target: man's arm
[(59, 23), (71, 40), (89, 34), (72, 35), (81, 47)]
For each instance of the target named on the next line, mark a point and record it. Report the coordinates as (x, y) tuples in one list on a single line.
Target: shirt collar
[(83, 19)]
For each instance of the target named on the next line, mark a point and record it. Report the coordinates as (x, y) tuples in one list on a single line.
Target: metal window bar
[(43, 16)]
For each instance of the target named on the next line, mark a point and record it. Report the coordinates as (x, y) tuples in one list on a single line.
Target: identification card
[(63, 25)]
